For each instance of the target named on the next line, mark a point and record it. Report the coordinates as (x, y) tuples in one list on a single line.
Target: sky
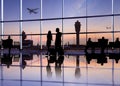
[(53, 9)]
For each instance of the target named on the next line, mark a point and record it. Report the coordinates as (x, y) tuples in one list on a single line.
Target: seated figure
[(8, 43)]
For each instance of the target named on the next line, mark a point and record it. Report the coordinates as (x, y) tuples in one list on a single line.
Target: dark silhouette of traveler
[(49, 39), (117, 43), (58, 39), (117, 40), (103, 44), (7, 59), (10, 43), (89, 44), (24, 36)]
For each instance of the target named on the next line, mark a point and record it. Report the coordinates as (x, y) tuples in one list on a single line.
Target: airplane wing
[(35, 8), (28, 9)]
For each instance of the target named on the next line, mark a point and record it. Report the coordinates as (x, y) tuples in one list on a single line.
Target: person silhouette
[(23, 35), (49, 39), (58, 39), (10, 43)]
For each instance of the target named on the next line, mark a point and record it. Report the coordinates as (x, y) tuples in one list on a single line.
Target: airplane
[(32, 10), (108, 27)]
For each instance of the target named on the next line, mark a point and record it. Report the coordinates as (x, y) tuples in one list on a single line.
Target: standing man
[(58, 39), (10, 43)]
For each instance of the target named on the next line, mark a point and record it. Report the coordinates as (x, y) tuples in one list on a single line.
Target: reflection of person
[(58, 64), (58, 60), (10, 43), (7, 59), (49, 39), (49, 72), (24, 63), (58, 39), (50, 59)]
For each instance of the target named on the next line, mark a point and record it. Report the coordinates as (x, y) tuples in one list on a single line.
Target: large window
[(40, 16)]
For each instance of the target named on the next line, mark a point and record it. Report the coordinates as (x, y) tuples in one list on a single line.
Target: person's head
[(57, 29), (49, 32)]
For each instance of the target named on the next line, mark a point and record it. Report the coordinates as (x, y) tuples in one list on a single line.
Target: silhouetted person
[(58, 39), (117, 40), (89, 44), (49, 39), (23, 35), (103, 44), (117, 43), (10, 43)]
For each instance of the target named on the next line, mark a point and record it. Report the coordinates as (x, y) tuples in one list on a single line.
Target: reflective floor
[(62, 70)]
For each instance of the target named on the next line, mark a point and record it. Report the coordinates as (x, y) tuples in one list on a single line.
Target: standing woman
[(49, 39)]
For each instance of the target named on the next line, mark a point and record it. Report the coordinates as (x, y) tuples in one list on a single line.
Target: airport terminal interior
[(59, 42)]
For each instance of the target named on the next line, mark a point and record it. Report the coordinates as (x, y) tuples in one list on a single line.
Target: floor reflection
[(60, 69)]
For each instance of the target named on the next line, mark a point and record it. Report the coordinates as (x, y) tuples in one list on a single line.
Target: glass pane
[(32, 30), (11, 9), (69, 25), (73, 8), (116, 6), (94, 7), (10, 83), (31, 9), (52, 8), (116, 23), (52, 84), (115, 77), (100, 24), (31, 73), (96, 76), (13, 30), (73, 76), (14, 72), (31, 83)]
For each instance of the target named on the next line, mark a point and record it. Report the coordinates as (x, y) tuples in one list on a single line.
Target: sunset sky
[(53, 9)]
